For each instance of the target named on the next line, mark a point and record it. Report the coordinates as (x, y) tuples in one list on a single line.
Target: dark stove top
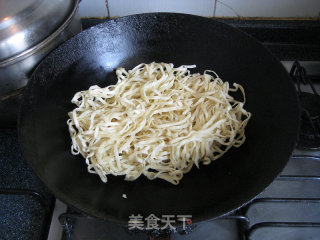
[(288, 209), (25, 204)]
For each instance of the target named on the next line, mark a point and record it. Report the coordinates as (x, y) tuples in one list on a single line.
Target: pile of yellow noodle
[(158, 121)]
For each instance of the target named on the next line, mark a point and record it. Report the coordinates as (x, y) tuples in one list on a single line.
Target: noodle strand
[(156, 121)]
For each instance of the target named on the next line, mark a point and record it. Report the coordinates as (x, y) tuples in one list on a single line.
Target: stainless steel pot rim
[(43, 43)]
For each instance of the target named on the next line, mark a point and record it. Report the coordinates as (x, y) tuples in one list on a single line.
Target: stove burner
[(309, 137)]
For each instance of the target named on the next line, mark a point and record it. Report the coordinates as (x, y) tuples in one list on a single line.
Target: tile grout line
[(107, 6), (214, 8), (228, 6)]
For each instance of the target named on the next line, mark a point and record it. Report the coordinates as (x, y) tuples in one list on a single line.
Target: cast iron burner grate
[(310, 110)]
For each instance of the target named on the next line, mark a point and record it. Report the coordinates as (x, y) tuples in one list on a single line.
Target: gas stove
[(287, 209)]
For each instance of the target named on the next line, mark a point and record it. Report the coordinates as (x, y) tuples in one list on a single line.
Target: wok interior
[(91, 59)]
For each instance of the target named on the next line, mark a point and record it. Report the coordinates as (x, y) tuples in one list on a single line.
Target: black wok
[(91, 58)]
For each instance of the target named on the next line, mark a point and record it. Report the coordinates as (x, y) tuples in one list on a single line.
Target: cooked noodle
[(158, 121)]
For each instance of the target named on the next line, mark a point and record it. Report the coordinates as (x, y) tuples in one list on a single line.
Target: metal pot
[(29, 30)]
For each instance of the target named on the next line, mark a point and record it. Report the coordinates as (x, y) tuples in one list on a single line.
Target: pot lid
[(25, 23)]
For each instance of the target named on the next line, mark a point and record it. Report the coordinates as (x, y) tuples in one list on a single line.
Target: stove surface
[(287, 209)]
